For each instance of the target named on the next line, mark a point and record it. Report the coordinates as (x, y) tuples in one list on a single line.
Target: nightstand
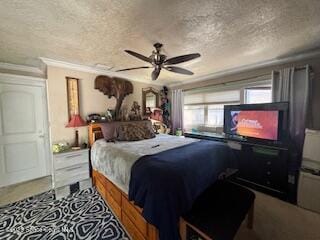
[(71, 171)]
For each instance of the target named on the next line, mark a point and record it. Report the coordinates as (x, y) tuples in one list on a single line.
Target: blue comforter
[(166, 184)]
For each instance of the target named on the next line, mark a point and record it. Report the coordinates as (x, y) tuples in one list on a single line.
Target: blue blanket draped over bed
[(166, 184)]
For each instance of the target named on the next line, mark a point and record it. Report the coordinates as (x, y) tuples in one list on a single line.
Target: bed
[(119, 175)]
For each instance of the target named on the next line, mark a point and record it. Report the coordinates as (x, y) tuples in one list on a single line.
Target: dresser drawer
[(70, 159), (130, 227), (71, 175), (134, 216), (114, 192)]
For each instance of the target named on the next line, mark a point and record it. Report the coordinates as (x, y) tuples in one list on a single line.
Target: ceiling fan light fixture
[(159, 61)]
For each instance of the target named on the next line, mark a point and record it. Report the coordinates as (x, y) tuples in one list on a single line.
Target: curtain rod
[(230, 82), (244, 79), (301, 68)]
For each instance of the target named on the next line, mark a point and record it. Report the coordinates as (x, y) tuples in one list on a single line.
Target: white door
[(23, 135)]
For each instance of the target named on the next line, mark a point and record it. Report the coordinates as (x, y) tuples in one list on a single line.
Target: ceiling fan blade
[(138, 55), (181, 59), (128, 69), (178, 70), (155, 73)]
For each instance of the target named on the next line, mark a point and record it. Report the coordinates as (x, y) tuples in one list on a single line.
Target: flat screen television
[(261, 123)]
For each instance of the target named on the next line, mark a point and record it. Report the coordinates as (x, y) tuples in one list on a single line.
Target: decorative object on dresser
[(160, 127), (135, 113), (93, 117), (165, 106), (75, 122), (73, 96), (150, 99), (156, 115), (71, 171), (114, 87)]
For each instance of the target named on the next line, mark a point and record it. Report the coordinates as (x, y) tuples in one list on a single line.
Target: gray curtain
[(177, 109), (294, 86)]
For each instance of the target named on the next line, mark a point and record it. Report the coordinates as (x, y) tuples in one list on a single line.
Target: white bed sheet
[(114, 160)]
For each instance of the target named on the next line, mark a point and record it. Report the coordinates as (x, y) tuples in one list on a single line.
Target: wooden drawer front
[(101, 189), (113, 205), (114, 192), (70, 159), (130, 227), (102, 179), (71, 175), (134, 216)]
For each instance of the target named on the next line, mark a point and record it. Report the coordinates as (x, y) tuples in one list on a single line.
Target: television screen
[(265, 123), (261, 124)]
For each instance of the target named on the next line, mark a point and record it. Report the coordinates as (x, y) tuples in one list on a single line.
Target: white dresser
[(70, 167), (309, 180)]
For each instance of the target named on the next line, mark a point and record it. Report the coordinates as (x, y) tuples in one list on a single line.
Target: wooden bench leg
[(183, 229), (250, 217)]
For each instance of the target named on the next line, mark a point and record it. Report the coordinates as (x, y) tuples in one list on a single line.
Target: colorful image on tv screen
[(257, 124)]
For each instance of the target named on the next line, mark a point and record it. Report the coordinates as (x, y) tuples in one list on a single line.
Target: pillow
[(108, 130), (134, 131)]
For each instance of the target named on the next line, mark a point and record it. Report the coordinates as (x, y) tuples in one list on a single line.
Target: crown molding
[(91, 69), (250, 67), (22, 80), (20, 68)]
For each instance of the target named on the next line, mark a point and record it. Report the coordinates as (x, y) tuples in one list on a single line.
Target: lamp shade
[(76, 121)]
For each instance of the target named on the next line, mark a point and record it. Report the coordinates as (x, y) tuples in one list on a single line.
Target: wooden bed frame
[(129, 214)]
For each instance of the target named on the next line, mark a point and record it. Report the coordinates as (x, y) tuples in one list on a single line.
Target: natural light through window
[(204, 110), (257, 95)]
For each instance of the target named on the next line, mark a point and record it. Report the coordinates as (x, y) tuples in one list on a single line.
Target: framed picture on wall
[(73, 96)]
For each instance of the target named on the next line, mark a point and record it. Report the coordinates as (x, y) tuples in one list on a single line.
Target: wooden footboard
[(128, 213)]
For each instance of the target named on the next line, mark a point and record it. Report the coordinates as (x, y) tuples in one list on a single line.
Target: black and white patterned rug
[(82, 215)]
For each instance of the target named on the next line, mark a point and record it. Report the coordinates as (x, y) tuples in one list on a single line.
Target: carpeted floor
[(82, 215), (274, 219)]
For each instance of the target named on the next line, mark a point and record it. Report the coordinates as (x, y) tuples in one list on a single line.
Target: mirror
[(150, 99)]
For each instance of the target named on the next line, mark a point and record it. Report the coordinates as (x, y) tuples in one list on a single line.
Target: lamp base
[(76, 146)]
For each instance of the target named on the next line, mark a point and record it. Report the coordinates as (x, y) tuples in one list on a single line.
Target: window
[(258, 95), (193, 116), (204, 108), (204, 111), (215, 115)]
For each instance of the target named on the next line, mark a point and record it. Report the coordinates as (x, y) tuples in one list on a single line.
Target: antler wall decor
[(114, 87)]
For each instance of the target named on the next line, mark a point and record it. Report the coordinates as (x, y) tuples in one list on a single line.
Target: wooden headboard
[(95, 133)]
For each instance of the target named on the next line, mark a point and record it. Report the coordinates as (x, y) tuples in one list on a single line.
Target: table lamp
[(76, 121)]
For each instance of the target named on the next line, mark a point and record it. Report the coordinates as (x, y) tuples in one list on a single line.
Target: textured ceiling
[(227, 33)]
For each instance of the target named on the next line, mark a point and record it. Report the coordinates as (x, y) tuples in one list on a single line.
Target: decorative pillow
[(134, 131), (108, 130)]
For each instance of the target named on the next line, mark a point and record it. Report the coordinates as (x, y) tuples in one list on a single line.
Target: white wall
[(91, 101)]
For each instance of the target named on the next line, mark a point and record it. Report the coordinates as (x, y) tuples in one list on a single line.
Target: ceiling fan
[(159, 61)]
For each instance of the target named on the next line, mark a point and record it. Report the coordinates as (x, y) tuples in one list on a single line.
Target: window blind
[(212, 97)]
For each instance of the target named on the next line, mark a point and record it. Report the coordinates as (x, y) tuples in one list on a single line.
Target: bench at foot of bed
[(218, 212)]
